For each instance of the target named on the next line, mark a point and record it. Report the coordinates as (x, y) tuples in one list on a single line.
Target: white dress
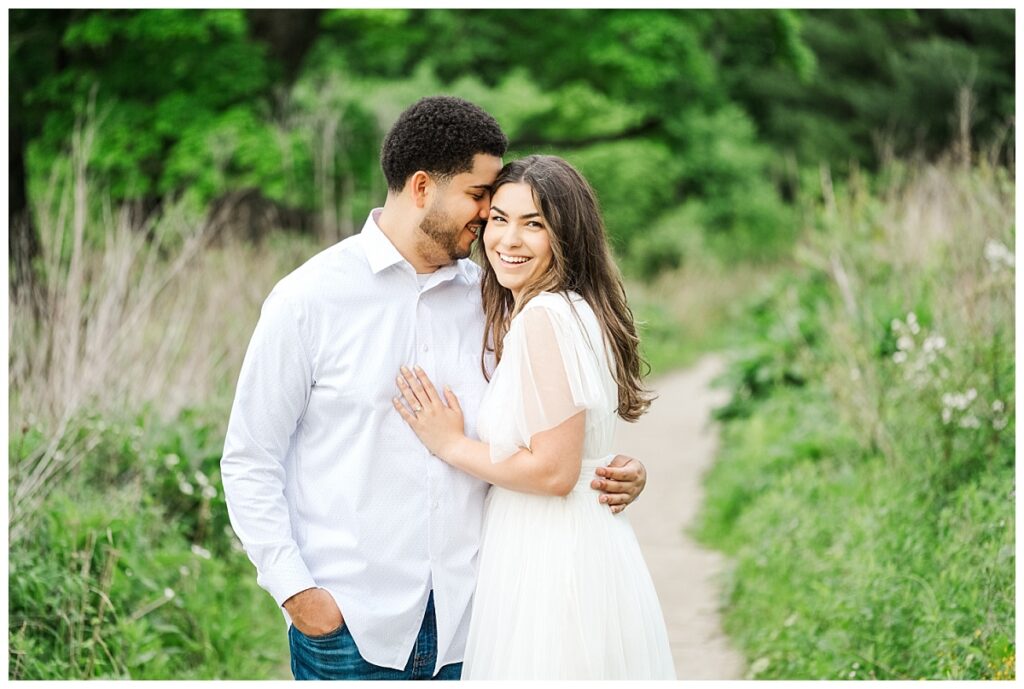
[(562, 588)]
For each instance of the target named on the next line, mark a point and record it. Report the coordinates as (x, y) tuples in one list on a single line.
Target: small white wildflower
[(912, 323), (934, 343), (853, 673), (185, 487), (970, 421), (201, 479), (168, 593), (200, 551), (998, 406), (956, 400), (947, 415), (971, 395), (856, 665), (171, 460), (999, 423), (905, 342), (896, 324), (998, 255), (183, 571), (209, 492), (899, 357)]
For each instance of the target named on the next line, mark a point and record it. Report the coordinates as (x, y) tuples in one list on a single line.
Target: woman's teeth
[(513, 259)]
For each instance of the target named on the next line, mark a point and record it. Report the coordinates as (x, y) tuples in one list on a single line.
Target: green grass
[(865, 483), (130, 571), (846, 569), (666, 343)]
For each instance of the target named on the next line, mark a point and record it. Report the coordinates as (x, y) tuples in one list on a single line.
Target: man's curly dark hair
[(439, 135)]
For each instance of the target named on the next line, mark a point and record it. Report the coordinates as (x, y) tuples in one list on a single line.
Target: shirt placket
[(425, 357)]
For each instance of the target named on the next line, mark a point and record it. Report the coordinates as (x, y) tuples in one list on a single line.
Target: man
[(367, 541)]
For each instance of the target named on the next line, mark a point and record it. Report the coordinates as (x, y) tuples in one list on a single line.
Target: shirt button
[(426, 348)]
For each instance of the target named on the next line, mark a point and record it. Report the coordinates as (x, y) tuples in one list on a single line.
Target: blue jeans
[(335, 656)]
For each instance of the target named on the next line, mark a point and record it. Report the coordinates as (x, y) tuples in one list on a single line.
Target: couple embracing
[(419, 456)]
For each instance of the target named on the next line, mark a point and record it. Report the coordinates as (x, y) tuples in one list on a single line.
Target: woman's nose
[(511, 236)]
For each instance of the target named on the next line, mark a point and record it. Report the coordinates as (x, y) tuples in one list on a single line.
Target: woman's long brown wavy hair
[(581, 262)]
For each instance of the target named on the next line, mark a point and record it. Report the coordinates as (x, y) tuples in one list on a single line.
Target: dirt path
[(676, 444)]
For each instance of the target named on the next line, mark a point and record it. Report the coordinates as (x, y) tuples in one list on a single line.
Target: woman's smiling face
[(516, 238)]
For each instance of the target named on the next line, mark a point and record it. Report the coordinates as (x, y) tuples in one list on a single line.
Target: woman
[(562, 589)]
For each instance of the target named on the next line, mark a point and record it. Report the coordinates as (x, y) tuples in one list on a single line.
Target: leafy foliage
[(712, 110)]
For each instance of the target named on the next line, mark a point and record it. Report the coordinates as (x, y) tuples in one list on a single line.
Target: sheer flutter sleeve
[(550, 372)]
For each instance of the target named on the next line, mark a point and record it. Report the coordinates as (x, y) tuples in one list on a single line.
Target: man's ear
[(421, 186)]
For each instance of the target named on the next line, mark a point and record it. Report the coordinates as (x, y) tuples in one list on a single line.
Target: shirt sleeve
[(551, 373), (273, 390)]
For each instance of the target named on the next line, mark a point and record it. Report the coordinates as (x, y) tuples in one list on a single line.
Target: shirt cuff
[(286, 579)]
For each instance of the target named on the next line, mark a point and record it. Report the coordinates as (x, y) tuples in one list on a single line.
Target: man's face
[(459, 210)]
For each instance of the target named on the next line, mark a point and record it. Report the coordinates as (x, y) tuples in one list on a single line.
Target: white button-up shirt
[(325, 483)]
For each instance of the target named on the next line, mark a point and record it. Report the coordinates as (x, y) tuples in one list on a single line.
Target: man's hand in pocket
[(314, 612)]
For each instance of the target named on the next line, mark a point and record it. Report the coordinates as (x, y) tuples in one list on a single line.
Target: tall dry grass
[(152, 315), (941, 237)]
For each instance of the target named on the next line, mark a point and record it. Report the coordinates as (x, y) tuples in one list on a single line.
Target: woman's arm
[(551, 466)]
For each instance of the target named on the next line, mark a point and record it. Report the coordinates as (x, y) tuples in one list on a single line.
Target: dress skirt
[(563, 592)]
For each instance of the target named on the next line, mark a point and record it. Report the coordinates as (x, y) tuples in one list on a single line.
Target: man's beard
[(440, 229)]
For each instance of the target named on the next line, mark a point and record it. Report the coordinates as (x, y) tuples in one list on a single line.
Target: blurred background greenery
[(827, 196)]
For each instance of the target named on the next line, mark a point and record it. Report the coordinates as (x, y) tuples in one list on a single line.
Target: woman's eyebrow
[(524, 216)]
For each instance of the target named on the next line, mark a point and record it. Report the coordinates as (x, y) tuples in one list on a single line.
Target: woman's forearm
[(524, 471)]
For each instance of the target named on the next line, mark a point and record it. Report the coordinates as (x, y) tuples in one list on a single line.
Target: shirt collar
[(381, 253)]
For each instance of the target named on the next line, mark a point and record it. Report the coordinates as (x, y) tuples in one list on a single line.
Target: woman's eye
[(536, 225), (497, 218)]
